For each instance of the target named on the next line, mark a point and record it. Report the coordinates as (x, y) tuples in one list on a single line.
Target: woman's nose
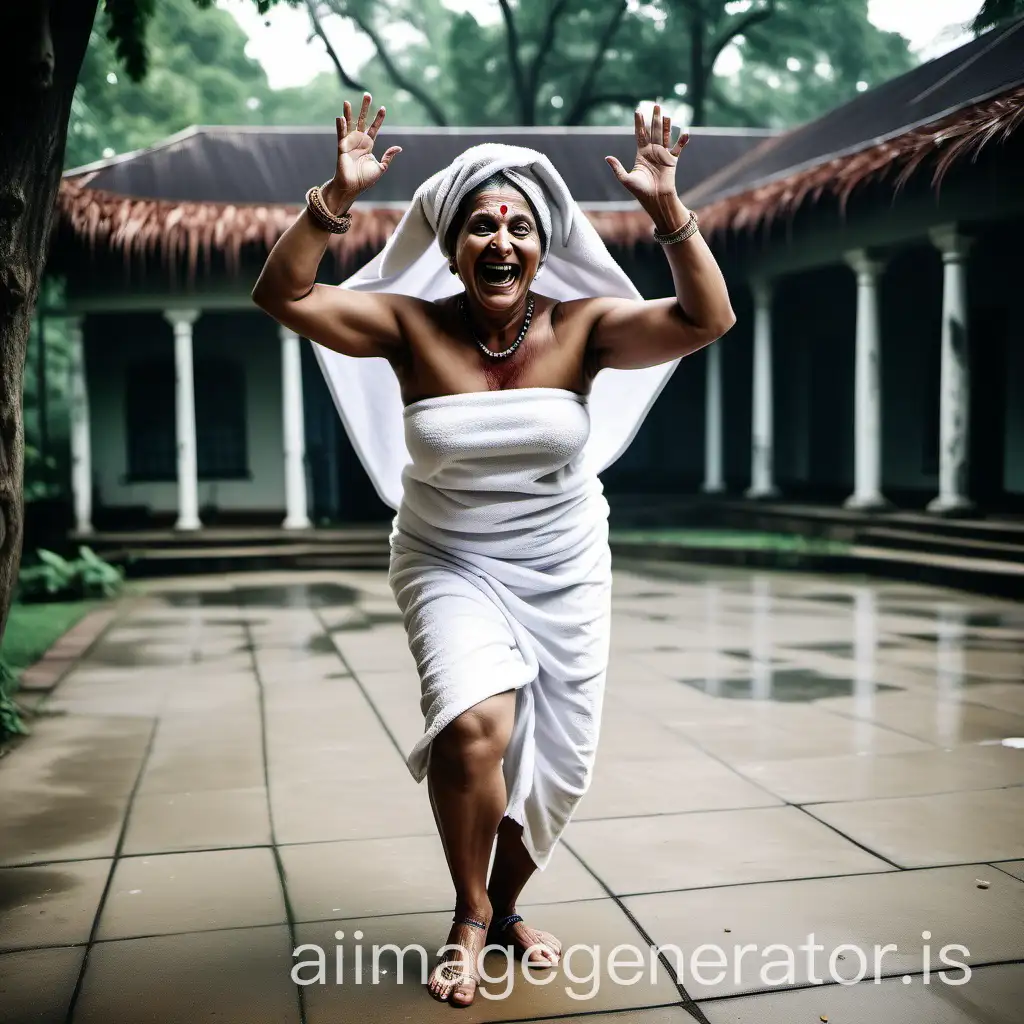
[(500, 242)]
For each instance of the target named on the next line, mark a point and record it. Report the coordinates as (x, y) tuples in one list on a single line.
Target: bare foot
[(456, 977), (541, 949)]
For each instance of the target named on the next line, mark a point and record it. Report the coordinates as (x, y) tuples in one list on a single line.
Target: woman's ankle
[(475, 909)]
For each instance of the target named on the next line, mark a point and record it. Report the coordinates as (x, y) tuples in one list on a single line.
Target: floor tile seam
[(862, 846), (35, 949), (907, 796), (777, 802), (234, 847), (108, 884), (803, 986), (784, 881), (583, 1014), (363, 690), (721, 761), (279, 871), (446, 909), (134, 937), (354, 839), (821, 878), (687, 1000), (849, 716), (997, 864)]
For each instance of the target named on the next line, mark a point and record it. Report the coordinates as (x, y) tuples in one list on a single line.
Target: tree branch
[(575, 114), (397, 75), (544, 48), (518, 81), (737, 28), (318, 29)]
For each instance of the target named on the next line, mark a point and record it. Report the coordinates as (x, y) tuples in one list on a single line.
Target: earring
[(453, 269)]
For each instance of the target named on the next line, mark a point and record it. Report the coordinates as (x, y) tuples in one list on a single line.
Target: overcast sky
[(279, 39)]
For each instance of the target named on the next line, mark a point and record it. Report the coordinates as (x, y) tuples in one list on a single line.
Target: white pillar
[(761, 483), (81, 443), (955, 387), (296, 512), (714, 477), (185, 418), (867, 491)]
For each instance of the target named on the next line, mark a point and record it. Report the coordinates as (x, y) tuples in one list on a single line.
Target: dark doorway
[(340, 490)]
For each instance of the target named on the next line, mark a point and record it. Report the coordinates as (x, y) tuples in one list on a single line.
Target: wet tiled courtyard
[(221, 780)]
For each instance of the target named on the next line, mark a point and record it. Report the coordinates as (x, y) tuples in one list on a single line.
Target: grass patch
[(32, 629), (745, 539)]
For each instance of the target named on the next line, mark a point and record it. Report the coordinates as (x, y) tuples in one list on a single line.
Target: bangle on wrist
[(321, 214), (680, 234)]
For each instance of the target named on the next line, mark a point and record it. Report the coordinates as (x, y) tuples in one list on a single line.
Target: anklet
[(506, 922)]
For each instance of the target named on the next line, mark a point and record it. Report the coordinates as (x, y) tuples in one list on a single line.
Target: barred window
[(221, 443)]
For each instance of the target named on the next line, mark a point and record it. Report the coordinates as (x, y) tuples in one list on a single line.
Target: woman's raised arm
[(354, 323), (627, 334)]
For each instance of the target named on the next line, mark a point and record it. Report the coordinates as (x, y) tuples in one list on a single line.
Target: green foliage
[(995, 12), (11, 723), (791, 75), (196, 73), (33, 628), (54, 577), (42, 475), (577, 62), (542, 62)]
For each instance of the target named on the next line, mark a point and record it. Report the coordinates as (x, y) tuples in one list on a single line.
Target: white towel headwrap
[(366, 391)]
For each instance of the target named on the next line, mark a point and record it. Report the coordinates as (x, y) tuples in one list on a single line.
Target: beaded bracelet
[(680, 234), (322, 215)]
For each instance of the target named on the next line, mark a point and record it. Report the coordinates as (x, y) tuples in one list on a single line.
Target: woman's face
[(498, 250)]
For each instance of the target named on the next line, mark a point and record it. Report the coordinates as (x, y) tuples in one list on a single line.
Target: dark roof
[(985, 67), (278, 165)]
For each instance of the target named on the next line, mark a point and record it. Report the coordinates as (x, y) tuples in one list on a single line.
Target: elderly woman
[(499, 552)]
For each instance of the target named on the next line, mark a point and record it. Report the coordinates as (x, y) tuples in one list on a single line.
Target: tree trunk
[(41, 49), (697, 95)]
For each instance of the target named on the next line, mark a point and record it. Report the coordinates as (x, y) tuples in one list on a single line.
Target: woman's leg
[(467, 793), (512, 869)]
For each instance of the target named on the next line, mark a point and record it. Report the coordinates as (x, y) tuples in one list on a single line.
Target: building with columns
[(872, 256), (875, 258), (191, 406)]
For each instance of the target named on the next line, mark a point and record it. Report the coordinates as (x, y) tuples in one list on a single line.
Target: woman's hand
[(358, 169), (654, 170)]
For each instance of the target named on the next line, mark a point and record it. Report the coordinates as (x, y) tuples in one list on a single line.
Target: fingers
[(339, 124), (377, 122), (346, 111), (617, 168), (684, 138), (389, 155), (640, 128), (666, 131), (657, 132), (363, 111)]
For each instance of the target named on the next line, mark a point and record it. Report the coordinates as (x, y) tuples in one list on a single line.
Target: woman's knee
[(476, 740)]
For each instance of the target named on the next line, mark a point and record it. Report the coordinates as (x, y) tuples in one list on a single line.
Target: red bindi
[(504, 208)]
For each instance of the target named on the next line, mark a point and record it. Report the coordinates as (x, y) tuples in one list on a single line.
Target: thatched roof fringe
[(954, 137), (192, 233), (150, 230)]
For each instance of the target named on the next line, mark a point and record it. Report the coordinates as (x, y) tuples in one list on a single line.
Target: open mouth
[(498, 275)]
